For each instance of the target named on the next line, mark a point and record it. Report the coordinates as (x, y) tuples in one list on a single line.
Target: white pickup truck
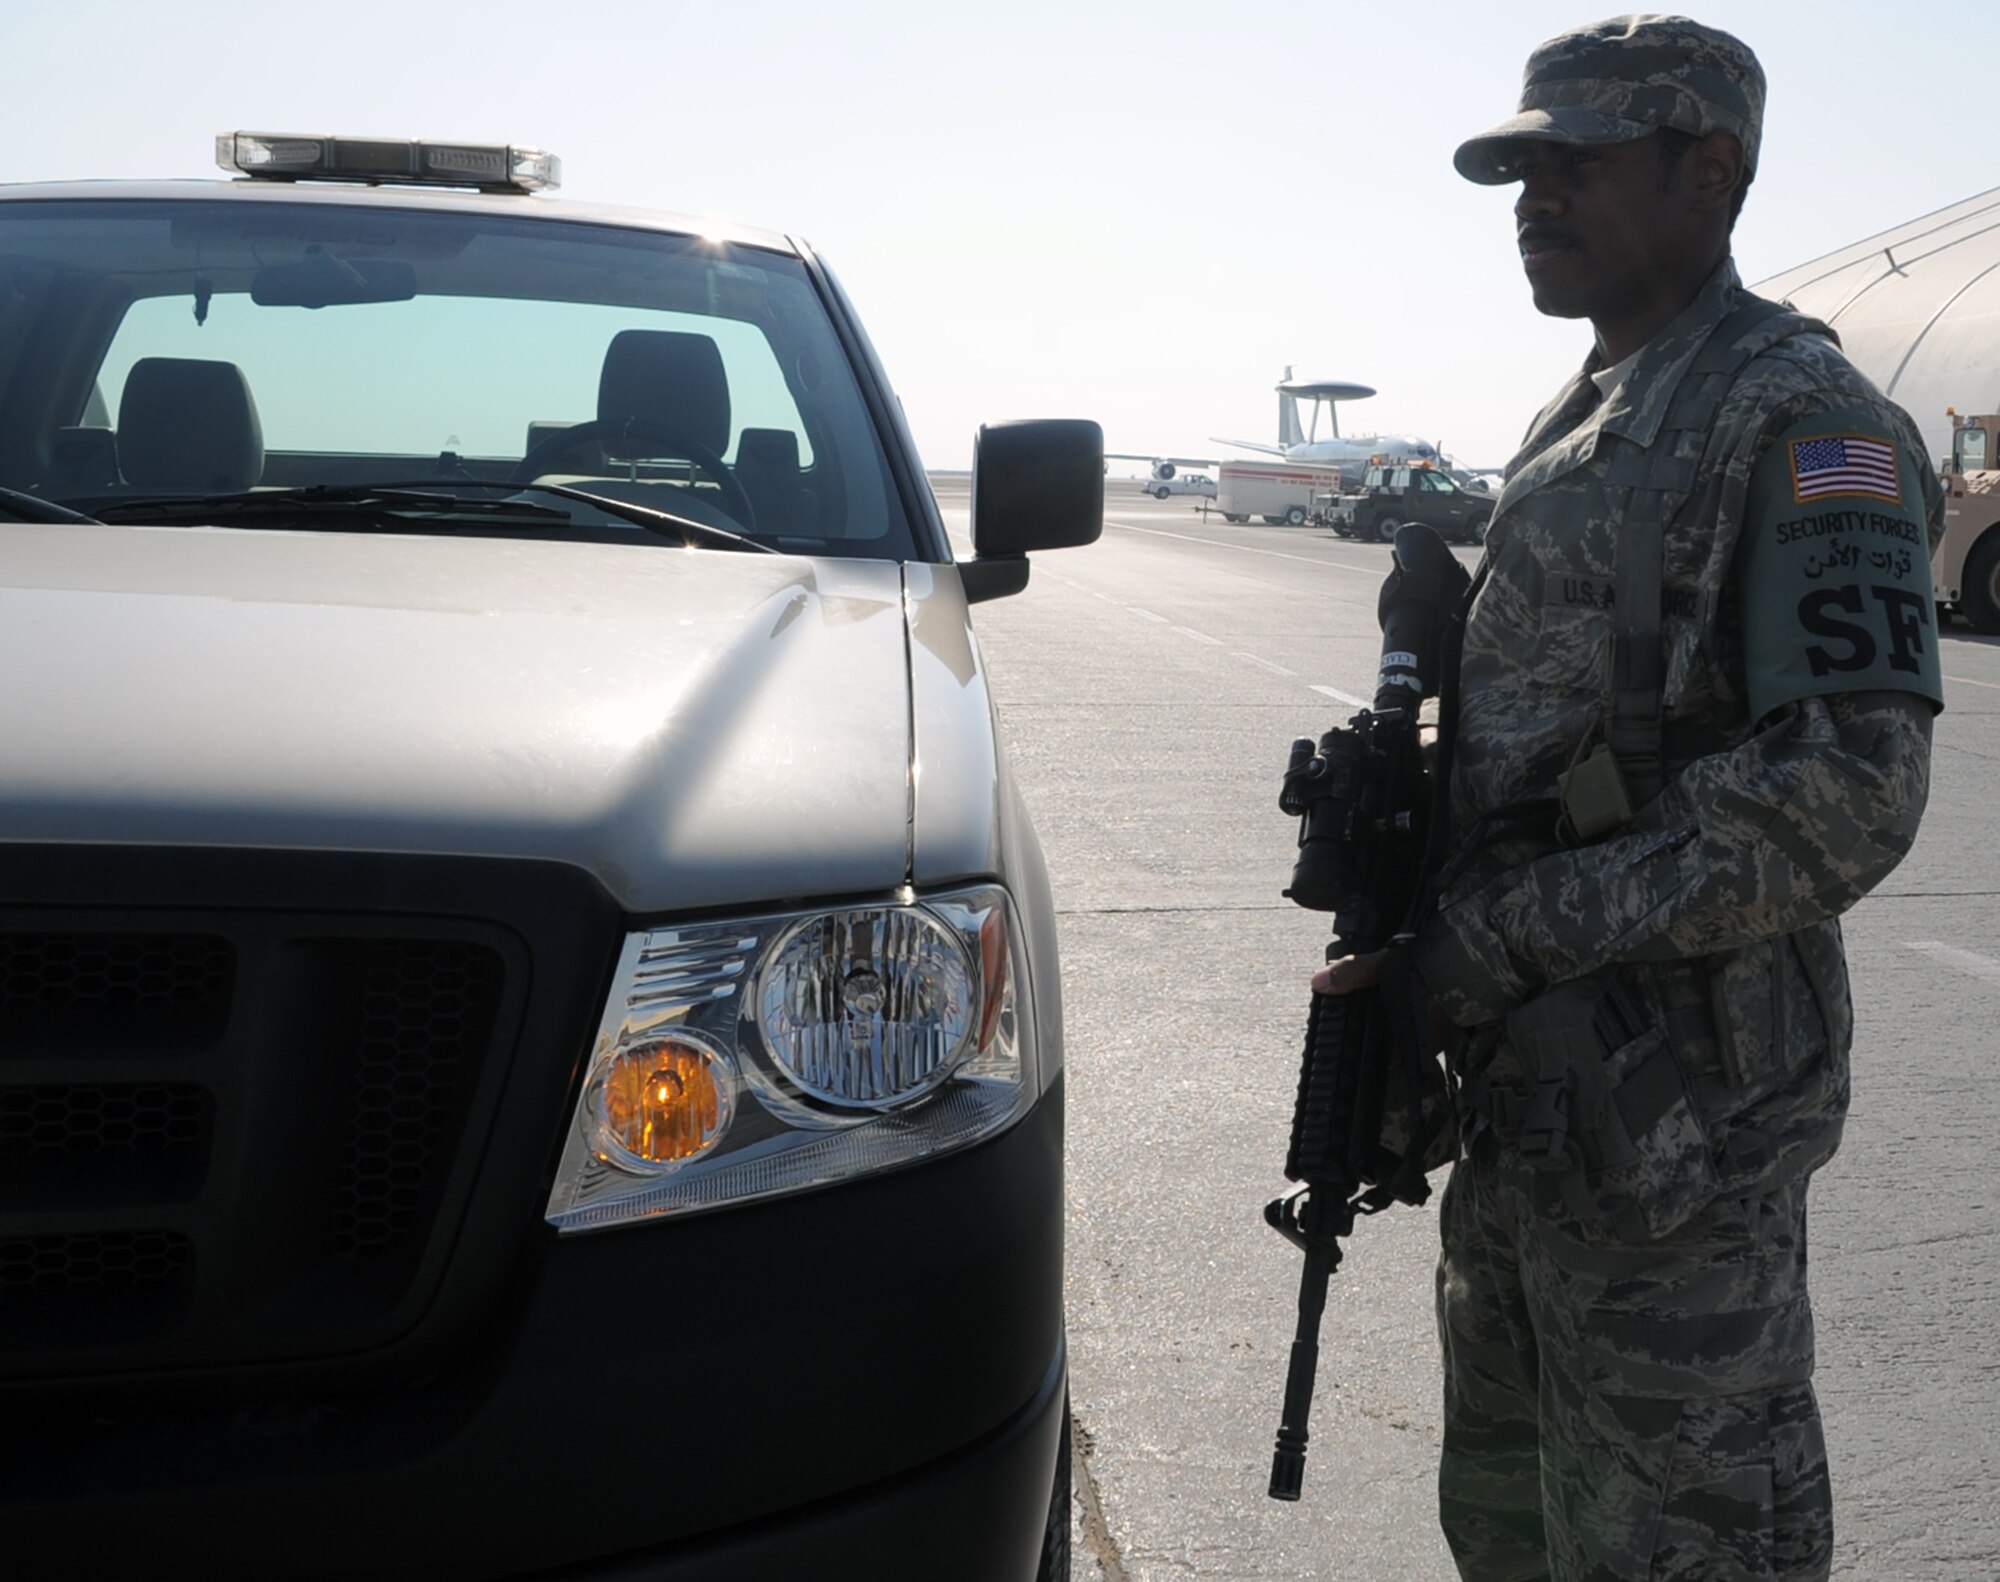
[(506, 1067), (1195, 483)]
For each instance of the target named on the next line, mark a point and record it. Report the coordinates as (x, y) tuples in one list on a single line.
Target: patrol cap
[(1622, 79)]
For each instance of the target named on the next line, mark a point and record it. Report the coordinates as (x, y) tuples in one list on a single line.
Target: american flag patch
[(1844, 464)]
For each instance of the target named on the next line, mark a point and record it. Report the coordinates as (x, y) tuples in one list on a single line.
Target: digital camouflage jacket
[(1801, 675)]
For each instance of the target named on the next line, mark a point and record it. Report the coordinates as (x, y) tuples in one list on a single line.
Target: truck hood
[(695, 727)]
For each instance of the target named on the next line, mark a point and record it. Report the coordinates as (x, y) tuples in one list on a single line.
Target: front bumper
[(874, 1370), (977, 1515)]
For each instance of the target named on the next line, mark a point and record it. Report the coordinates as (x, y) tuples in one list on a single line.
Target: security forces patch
[(1836, 567)]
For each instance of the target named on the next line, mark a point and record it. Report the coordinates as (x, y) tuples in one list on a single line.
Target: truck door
[(1449, 508), (1433, 503)]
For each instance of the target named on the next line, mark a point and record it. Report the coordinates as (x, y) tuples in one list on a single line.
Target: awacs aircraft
[(1303, 442)]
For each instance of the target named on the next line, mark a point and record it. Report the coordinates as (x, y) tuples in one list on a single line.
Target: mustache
[(1535, 237)]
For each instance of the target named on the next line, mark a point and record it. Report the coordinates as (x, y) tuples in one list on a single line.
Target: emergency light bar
[(286, 156)]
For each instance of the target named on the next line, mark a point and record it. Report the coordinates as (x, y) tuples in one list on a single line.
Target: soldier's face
[(1606, 232)]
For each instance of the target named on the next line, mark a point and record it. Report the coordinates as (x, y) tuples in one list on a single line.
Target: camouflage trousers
[(1620, 1411)]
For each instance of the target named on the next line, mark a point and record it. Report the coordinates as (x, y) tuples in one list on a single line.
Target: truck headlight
[(753, 1057), (868, 1008)]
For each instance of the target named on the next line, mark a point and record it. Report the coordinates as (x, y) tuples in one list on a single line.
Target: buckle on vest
[(1545, 1124)]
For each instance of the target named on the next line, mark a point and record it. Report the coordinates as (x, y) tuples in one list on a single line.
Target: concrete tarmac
[(1149, 687)]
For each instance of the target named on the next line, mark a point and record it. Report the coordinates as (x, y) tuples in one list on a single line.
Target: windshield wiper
[(421, 498), (359, 499), (33, 508), (650, 517)]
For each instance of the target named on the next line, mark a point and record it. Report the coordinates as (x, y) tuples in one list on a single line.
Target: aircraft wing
[(1251, 444), (1155, 456)]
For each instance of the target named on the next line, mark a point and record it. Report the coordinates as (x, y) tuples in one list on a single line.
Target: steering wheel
[(670, 441)]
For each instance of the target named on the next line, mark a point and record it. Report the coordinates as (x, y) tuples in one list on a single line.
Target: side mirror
[(1037, 484)]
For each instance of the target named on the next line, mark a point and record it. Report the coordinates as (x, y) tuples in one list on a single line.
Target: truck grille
[(116, 1260), (233, 1143), (424, 1010), (90, 1118), (57, 982)]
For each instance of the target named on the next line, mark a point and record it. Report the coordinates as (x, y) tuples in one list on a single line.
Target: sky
[(1140, 215)]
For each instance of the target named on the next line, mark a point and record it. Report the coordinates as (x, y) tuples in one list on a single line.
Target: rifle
[(1363, 801)]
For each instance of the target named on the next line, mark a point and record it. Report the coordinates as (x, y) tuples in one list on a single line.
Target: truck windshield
[(180, 348), (1969, 448)]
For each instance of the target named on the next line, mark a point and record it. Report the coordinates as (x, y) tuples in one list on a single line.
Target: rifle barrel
[(1288, 1460)]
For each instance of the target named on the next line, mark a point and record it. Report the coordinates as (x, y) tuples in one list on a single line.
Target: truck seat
[(82, 461), (767, 465), (669, 378), (189, 425)]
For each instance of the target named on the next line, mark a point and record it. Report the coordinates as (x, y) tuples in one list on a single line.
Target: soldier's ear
[(1715, 171)]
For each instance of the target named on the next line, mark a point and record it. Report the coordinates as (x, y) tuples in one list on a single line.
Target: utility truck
[(1966, 568), (1393, 495), (1278, 491)]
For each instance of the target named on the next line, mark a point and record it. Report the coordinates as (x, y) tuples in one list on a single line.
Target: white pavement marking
[(1215, 642), (1071, 583), (1967, 681), (1967, 961), (1248, 549)]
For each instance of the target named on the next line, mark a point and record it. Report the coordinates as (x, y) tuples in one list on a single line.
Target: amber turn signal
[(659, 1102)]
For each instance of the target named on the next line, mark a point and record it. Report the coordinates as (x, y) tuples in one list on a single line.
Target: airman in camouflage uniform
[(1652, 996)]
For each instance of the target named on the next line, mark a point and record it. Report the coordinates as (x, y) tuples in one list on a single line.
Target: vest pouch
[(1634, 1158), (1777, 1007), (1823, 962)]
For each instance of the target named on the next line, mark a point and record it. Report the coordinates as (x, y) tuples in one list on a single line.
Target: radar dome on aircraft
[(1302, 442), (1326, 389)]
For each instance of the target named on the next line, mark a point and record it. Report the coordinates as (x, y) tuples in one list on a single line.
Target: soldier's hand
[(1362, 972), (1348, 974)]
